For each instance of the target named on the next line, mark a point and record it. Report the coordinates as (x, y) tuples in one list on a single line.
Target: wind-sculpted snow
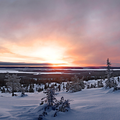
[(88, 104)]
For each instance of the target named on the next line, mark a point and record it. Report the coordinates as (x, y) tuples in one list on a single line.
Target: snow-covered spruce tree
[(52, 104), (50, 97), (49, 100), (76, 84), (12, 82), (110, 80)]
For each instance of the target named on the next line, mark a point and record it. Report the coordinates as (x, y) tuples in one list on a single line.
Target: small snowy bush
[(62, 105), (3, 89), (100, 84), (31, 88), (23, 92)]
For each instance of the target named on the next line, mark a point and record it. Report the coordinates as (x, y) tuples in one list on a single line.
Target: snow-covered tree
[(110, 82), (22, 91), (100, 84), (50, 97), (76, 84), (52, 104), (13, 82), (63, 105)]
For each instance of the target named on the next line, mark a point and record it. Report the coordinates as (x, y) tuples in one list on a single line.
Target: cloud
[(86, 31), (18, 63), (9, 56)]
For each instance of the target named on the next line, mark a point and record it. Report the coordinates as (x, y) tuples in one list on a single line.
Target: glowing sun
[(52, 55)]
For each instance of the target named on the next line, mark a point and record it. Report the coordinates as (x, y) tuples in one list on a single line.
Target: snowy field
[(88, 104)]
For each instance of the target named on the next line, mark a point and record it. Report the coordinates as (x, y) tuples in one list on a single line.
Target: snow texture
[(88, 104)]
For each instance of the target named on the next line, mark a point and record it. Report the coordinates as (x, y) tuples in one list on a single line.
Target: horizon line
[(23, 64)]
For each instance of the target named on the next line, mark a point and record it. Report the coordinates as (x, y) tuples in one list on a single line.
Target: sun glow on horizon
[(51, 54)]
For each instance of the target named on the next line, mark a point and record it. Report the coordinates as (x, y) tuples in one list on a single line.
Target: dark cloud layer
[(88, 29)]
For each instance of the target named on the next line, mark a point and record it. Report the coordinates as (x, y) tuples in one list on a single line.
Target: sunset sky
[(67, 32)]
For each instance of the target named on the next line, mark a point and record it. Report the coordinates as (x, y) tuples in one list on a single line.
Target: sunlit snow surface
[(88, 104)]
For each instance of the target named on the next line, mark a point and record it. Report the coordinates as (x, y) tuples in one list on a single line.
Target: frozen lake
[(37, 71)]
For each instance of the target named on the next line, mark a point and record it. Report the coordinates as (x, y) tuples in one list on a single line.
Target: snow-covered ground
[(88, 104)]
